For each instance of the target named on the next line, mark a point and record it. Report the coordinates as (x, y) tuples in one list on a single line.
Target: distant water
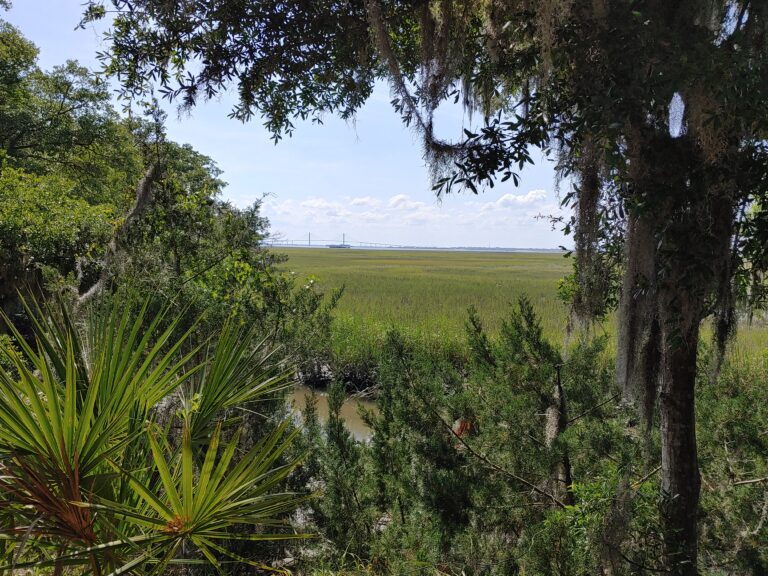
[(349, 410), (425, 248)]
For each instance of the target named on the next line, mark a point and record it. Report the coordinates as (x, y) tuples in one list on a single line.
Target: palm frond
[(240, 368), (86, 479), (206, 506)]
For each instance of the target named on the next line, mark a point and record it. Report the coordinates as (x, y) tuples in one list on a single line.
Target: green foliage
[(61, 121), (194, 248), (44, 221), (343, 511), (459, 475), (18, 56), (313, 57), (455, 477), (733, 452), (90, 475), (240, 368), (7, 348), (69, 166), (427, 504), (45, 224)]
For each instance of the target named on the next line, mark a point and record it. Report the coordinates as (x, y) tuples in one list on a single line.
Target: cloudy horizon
[(404, 220)]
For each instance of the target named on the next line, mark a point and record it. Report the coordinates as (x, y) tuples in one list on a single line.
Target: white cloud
[(513, 201), (521, 199), (398, 200), (400, 219), (317, 203), (371, 216), (365, 201)]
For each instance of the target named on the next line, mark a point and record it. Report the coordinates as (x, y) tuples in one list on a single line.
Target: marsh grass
[(426, 294)]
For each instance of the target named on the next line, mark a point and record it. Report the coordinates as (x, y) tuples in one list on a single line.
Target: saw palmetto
[(88, 479)]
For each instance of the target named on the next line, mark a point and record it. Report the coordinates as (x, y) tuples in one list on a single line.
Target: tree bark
[(556, 425), (672, 242), (680, 482)]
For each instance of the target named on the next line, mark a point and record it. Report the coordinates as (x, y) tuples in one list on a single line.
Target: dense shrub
[(457, 476)]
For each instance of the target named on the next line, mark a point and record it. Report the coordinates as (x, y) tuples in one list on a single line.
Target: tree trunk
[(683, 296), (144, 197), (671, 251), (680, 481)]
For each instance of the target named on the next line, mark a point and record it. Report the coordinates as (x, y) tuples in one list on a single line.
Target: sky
[(365, 179)]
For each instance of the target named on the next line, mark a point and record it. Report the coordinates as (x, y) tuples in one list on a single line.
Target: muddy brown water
[(349, 410)]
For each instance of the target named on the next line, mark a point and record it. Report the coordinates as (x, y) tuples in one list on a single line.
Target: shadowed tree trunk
[(690, 232), (679, 463), (680, 481), (661, 309)]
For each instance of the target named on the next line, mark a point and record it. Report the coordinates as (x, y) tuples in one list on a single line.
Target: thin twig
[(206, 268), (636, 485), (603, 403), (491, 464), (637, 564), (753, 481)]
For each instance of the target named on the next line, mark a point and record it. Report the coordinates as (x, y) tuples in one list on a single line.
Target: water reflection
[(349, 410)]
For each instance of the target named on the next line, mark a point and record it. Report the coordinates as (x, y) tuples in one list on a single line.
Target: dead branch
[(589, 410), (752, 481), (141, 203), (638, 483)]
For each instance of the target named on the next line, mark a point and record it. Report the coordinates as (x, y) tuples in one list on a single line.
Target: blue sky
[(364, 178)]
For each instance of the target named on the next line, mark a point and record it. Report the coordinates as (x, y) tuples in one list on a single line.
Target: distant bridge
[(311, 242), (324, 243)]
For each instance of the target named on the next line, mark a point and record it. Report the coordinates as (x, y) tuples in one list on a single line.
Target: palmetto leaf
[(240, 368), (85, 480), (223, 496), (62, 417)]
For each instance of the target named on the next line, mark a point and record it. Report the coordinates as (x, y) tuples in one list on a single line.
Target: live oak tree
[(652, 109), (246, 45), (61, 121), (44, 227)]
